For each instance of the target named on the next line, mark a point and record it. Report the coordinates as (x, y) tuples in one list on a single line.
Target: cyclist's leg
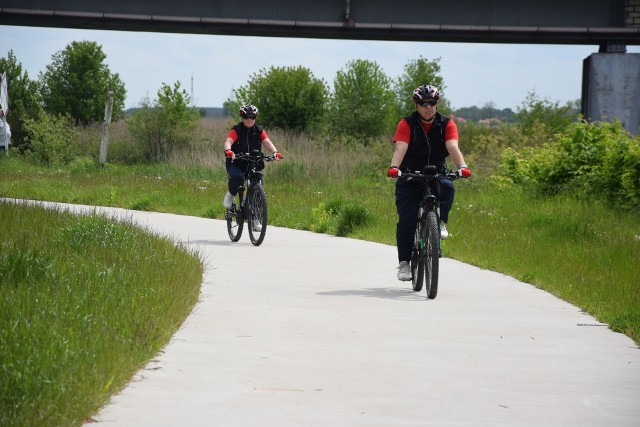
[(408, 198), (445, 198), (236, 178)]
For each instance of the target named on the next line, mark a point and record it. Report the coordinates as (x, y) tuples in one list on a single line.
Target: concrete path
[(314, 330)]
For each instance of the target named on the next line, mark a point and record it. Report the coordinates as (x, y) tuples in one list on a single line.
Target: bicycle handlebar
[(425, 177), (254, 158)]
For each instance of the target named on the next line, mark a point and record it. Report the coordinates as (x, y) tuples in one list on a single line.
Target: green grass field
[(585, 253)]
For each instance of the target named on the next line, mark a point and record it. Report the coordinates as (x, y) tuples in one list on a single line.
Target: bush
[(165, 125), (51, 139), (585, 157), (337, 218)]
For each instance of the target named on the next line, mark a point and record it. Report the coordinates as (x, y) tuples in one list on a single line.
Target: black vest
[(248, 138), (248, 141), (425, 149)]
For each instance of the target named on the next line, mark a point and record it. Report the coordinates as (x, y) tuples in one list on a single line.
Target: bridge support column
[(611, 88)]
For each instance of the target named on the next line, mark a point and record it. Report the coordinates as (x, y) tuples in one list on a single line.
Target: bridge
[(611, 77)]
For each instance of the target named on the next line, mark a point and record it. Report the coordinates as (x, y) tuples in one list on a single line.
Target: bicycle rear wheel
[(234, 219), (417, 257), (432, 258), (257, 213)]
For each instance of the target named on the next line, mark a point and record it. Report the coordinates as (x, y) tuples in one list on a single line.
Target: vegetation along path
[(314, 329)]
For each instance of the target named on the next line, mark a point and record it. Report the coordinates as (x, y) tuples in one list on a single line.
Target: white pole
[(108, 106), (6, 137), (4, 103)]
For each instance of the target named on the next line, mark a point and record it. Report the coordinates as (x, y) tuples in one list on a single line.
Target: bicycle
[(427, 250), (253, 207)]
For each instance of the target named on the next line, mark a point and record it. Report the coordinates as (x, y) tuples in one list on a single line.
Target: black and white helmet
[(426, 92), (248, 111)]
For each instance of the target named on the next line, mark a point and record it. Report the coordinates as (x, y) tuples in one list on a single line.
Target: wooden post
[(108, 107)]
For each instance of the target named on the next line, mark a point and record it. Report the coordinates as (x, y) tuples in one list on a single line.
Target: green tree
[(24, 98), (542, 113), (363, 103), (52, 140), (289, 98), (418, 72), (77, 81), (164, 125)]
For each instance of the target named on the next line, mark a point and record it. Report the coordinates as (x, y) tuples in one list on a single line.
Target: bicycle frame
[(251, 188), (427, 244)]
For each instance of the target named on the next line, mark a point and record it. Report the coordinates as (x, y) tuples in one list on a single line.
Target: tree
[(289, 98), (418, 72), (24, 98), (363, 103), (542, 113), (77, 81), (164, 125)]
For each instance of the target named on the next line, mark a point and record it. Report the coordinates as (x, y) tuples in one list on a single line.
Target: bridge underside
[(595, 22)]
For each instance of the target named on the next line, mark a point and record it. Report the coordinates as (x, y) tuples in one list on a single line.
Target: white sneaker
[(404, 271), (228, 200), (443, 231)]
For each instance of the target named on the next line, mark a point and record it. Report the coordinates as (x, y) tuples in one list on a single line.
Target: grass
[(84, 303), (584, 252)]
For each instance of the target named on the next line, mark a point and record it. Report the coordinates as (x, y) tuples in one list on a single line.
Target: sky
[(210, 67)]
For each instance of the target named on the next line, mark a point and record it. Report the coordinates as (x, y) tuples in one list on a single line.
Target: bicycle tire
[(235, 221), (257, 214), (417, 257), (432, 256)]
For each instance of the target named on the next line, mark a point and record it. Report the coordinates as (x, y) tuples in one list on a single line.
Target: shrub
[(601, 156), (164, 125), (52, 140)]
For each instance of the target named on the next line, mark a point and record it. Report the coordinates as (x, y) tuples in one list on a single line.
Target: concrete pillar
[(611, 89)]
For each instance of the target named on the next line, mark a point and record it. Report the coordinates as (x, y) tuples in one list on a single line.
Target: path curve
[(317, 331)]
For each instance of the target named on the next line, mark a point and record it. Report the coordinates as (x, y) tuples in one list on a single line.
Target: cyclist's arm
[(232, 137), (398, 154), (227, 143), (269, 145), (451, 142), (454, 152)]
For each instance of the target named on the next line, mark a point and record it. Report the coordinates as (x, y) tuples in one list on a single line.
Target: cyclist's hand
[(277, 155), (230, 154), (393, 172), (464, 171)]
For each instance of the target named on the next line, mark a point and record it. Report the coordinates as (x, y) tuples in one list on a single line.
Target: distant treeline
[(215, 112), (477, 114), (472, 114)]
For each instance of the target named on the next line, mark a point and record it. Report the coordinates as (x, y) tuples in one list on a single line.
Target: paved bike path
[(314, 330)]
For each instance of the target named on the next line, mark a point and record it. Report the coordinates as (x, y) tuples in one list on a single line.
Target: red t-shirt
[(234, 135), (403, 131)]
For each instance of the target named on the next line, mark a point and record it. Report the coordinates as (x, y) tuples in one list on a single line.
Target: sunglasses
[(428, 103), (249, 117)]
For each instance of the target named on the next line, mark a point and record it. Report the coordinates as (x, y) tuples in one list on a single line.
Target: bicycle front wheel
[(235, 222), (432, 260), (418, 257), (257, 214)]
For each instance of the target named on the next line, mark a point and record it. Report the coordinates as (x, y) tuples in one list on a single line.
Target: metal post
[(108, 106)]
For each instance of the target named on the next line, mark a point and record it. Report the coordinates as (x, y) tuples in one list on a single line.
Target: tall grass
[(84, 303)]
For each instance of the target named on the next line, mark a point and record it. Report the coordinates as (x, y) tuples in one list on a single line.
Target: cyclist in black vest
[(244, 137), (423, 138)]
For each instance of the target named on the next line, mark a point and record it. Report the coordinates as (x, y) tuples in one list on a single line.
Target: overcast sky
[(474, 74)]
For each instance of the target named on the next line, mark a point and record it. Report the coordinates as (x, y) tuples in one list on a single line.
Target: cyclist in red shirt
[(244, 137), (422, 138)]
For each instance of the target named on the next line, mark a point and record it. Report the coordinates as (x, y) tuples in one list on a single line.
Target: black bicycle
[(253, 207), (426, 253)]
